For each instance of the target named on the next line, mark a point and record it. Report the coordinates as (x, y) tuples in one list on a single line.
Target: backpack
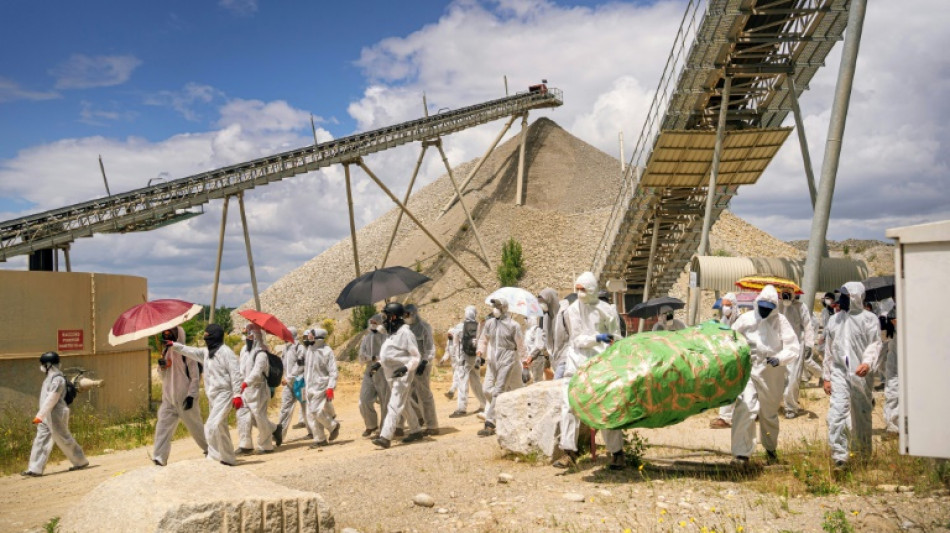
[(71, 391), (276, 371), (201, 368), (469, 333)]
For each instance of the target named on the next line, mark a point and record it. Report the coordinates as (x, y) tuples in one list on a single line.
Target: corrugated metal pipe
[(721, 273)]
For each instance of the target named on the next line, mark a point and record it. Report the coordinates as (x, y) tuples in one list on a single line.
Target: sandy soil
[(372, 490)]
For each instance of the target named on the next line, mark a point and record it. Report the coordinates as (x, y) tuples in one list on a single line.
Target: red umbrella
[(268, 323), (151, 318)]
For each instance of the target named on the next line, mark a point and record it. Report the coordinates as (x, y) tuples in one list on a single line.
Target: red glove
[(330, 394), (37, 420), (243, 386), (237, 402), (169, 343)]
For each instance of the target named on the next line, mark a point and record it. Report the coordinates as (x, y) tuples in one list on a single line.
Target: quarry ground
[(685, 485)]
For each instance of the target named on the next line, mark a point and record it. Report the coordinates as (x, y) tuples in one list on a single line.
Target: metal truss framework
[(158, 205), (767, 48)]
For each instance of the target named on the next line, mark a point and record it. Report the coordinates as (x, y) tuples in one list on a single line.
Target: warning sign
[(69, 339)]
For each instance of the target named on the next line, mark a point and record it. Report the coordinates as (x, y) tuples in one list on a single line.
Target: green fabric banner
[(657, 379)]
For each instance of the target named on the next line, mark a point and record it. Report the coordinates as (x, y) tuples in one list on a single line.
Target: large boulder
[(197, 495), (527, 419)]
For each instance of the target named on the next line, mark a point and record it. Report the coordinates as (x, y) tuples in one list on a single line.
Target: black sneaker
[(487, 431), (369, 433), (299, 425), (78, 467), (335, 433), (840, 466), (740, 461), (243, 451), (449, 394), (430, 432), (568, 460), (157, 462), (278, 435), (457, 414), (320, 444), (412, 437), (30, 473), (617, 461), (381, 442), (771, 457), (398, 433)]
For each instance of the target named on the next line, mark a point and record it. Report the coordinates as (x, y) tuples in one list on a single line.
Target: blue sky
[(169, 89)]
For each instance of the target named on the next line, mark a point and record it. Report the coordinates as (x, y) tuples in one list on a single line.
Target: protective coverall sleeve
[(331, 370), (256, 375), (428, 344), (580, 341), (191, 352), (194, 379), (829, 336), (407, 341), (872, 352), (59, 387), (791, 348), (234, 371), (808, 322), (366, 349)]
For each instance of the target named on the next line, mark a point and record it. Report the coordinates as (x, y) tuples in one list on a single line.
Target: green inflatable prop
[(657, 379)]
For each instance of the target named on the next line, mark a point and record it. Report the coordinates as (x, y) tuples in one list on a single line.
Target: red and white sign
[(69, 340)]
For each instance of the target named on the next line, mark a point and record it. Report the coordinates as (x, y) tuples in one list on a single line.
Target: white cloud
[(85, 72), (254, 115), (11, 91), (186, 100), (90, 114), (239, 7)]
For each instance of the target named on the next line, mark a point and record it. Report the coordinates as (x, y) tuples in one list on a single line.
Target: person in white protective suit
[(52, 421), (829, 306), (773, 344), (665, 321), (800, 318), (451, 356), (466, 341), (729, 312), (400, 357), (593, 327), (562, 333), (852, 348), (891, 381), (292, 358), (320, 376), (424, 405), (374, 387), (504, 337), (180, 377), (535, 345), (550, 305), (222, 375), (256, 394)]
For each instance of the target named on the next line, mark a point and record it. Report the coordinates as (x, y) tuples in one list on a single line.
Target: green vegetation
[(511, 268), (52, 526), (837, 522), (360, 315), (634, 446)]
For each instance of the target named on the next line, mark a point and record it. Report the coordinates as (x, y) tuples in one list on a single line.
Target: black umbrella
[(651, 308), (878, 288), (378, 285)]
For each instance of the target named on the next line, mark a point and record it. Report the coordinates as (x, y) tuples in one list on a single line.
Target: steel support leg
[(654, 241), (66, 257), (829, 167), (415, 172), (803, 144), (349, 203), (250, 257), (519, 198), (217, 265), (416, 220), (471, 221), (481, 162)]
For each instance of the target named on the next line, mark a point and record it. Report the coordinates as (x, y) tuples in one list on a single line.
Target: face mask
[(43, 369), (249, 343), (845, 303), (581, 294), (829, 302), (764, 312), (496, 312), (786, 304), (308, 342), (727, 310), (544, 307), (669, 316), (381, 328)]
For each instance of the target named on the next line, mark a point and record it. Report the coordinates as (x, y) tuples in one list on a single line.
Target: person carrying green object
[(657, 379)]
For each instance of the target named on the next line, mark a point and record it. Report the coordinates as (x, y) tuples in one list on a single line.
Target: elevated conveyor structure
[(769, 50), (165, 203)]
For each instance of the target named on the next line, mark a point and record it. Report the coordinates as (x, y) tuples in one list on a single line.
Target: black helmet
[(395, 308), (394, 312), (49, 358)]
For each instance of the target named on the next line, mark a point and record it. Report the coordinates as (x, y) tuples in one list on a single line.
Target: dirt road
[(372, 490)]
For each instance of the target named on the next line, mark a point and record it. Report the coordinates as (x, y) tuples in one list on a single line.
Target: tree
[(511, 268), (360, 315)]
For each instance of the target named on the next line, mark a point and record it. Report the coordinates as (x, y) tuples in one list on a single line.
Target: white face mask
[(581, 294), (727, 310), (43, 368), (544, 307), (496, 312), (410, 320)]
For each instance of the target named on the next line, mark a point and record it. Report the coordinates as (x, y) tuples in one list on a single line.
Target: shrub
[(511, 268), (837, 522), (360, 315)]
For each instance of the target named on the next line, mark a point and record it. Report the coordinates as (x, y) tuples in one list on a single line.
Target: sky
[(163, 90)]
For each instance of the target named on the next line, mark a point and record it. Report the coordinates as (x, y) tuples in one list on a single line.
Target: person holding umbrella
[(665, 321), (222, 375), (254, 369), (180, 377), (507, 351), (399, 356)]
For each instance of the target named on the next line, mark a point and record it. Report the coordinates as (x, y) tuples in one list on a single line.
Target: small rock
[(350, 530), (606, 493), (505, 478), (481, 515), (685, 505), (108, 450), (905, 488), (907, 524), (442, 510), (423, 500), (574, 497), (887, 488), (663, 505), (452, 495)]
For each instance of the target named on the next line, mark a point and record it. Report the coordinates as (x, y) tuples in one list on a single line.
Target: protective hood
[(501, 304), (375, 320), (730, 296), (258, 343), (293, 331), (471, 313), (214, 338), (856, 293), (589, 282), (549, 297), (768, 294)]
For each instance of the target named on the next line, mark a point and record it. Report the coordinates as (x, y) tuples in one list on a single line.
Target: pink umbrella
[(151, 318)]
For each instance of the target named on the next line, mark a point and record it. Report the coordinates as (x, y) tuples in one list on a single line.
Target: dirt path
[(372, 490)]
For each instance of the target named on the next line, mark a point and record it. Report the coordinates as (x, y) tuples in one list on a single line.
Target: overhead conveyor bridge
[(757, 56), (165, 203)]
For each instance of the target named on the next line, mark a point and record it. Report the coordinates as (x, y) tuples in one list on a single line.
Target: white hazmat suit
[(254, 369), (774, 345), (799, 316), (53, 426), (469, 377), (293, 358), (400, 349), (180, 379), (374, 388), (891, 386), (320, 374), (503, 337), (852, 340), (424, 404), (535, 344)]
